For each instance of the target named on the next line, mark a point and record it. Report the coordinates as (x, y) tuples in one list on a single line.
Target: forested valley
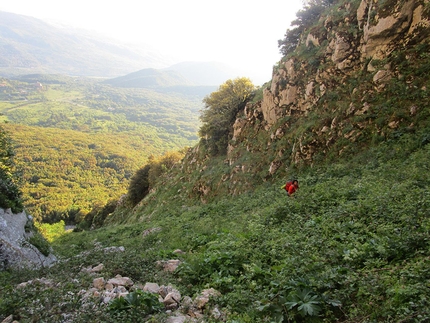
[(78, 141)]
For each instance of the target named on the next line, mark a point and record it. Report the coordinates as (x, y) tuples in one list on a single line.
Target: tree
[(220, 112), (160, 165), (10, 195), (139, 185), (146, 177), (305, 18)]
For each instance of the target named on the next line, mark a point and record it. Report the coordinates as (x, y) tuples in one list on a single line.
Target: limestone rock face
[(369, 32), (378, 37), (342, 49), (15, 249)]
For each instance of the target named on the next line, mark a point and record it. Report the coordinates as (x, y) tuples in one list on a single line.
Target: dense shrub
[(10, 194), (139, 185), (220, 112)]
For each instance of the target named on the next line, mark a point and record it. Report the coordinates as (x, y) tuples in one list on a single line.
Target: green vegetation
[(140, 185), (221, 108), (138, 303), (51, 232), (78, 142), (10, 194), (352, 245), (305, 18)]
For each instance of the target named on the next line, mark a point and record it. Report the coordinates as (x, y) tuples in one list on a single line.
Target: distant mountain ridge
[(150, 78), (32, 46), (181, 75), (29, 45)]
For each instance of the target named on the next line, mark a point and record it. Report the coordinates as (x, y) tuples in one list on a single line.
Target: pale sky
[(241, 33)]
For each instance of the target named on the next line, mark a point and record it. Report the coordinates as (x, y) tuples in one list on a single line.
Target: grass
[(351, 245)]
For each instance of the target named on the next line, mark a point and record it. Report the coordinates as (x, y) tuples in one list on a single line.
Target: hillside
[(347, 113), (204, 75), (149, 78), (30, 45), (78, 142)]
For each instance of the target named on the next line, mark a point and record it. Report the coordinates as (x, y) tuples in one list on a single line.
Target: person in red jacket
[(292, 186)]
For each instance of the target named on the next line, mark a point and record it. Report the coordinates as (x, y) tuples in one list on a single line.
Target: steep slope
[(357, 78), (347, 112), (29, 45)]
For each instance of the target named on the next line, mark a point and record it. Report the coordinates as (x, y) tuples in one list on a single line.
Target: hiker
[(291, 186)]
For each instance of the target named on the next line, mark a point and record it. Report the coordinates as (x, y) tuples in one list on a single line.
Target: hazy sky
[(240, 33)]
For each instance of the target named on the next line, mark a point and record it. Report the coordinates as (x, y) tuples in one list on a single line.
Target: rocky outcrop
[(16, 251), (380, 34), (367, 32), (322, 98)]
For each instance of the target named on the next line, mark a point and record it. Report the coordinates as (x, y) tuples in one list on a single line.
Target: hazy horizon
[(238, 34)]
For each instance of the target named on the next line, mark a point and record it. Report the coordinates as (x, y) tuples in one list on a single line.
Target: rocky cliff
[(17, 243), (358, 77)]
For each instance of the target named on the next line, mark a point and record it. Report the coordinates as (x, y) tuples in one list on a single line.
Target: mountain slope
[(150, 78), (77, 141), (29, 45), (347, 113)]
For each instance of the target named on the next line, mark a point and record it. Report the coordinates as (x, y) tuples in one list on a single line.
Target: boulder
[(15, 249), (120, 281)]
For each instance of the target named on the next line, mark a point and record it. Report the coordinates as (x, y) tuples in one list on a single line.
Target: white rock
[(97, 268), (120, 281), (99, 283), (151, 287)]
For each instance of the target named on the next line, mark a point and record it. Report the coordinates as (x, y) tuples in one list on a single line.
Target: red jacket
[(291, 188)]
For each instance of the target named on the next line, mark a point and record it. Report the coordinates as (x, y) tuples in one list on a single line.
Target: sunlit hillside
[(214, 236), (78, 142)]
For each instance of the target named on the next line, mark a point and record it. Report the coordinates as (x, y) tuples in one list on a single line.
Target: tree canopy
[(220, 112), (305, 18), (10, 195)]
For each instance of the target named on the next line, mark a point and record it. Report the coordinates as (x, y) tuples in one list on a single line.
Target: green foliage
[(305, 302), (145, 178), (220, 112), (51, 231), (39, 241), (10, 194), (161, 165), (352, 245), (78, 142), (139, 185), (305, 18), (297, 304), (138, 301), (97, 216)]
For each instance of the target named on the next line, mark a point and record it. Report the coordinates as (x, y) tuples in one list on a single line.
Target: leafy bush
[(39, 241), (147, 176), (139, 185), (306, 17), (138, 301)]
